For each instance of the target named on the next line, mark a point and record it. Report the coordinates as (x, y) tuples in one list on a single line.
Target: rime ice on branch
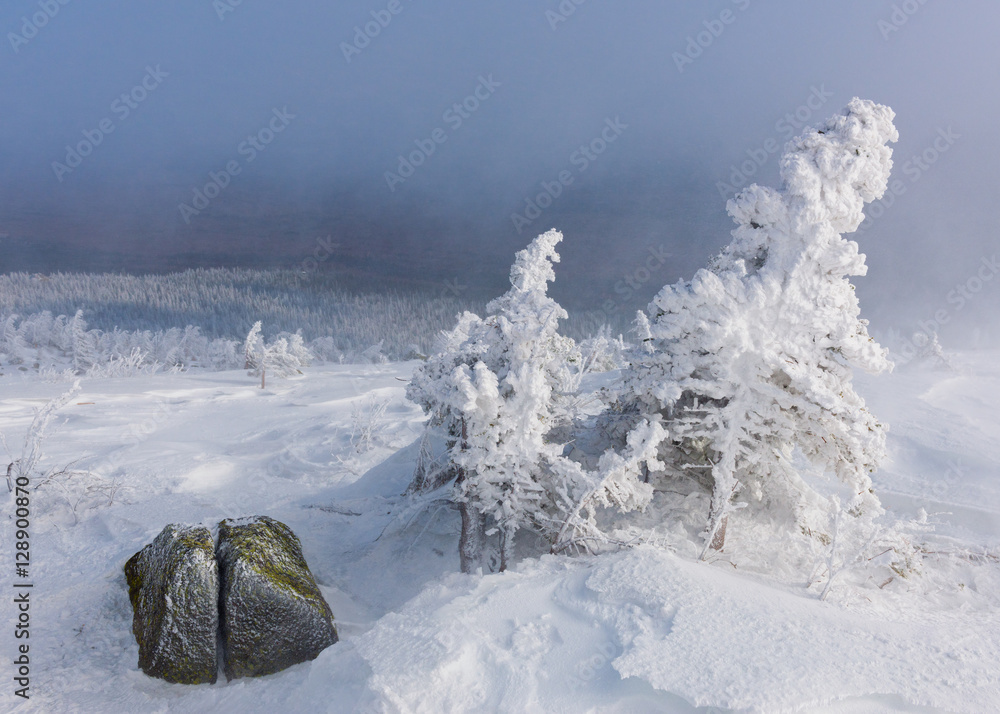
[(752, 359)]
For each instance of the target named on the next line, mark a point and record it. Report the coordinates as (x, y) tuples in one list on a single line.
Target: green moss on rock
[(173, 584), (273, 614)]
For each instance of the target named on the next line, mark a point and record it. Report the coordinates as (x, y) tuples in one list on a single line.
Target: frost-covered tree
[(253, 347), (12, 345), (85, 353), (283, 357), (752, 359), (495, 389), (617, 483)]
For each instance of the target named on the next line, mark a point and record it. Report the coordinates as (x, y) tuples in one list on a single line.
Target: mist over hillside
[(437, 141)]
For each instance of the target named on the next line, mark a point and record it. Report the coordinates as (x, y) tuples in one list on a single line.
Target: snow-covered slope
[(643, 630), (944, 446)]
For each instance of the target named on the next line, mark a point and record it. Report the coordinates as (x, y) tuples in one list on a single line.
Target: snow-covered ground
[(643, 630)]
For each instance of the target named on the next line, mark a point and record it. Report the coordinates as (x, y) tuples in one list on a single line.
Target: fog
[(409, 142)]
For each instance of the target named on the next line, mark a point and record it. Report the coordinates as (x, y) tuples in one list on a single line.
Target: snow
[(712, 637), (944, 444), (640, 630)]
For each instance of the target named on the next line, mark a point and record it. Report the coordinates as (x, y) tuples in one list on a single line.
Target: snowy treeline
[(739, 388), (199, 317), (54, 345), (227, 302)]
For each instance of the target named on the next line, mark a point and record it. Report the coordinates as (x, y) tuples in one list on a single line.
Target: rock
[(273, 614), (173, 584)]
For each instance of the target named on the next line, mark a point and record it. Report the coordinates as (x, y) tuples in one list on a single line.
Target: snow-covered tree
[(495, 389), (616, 483), (12, 344), (253, 347), (752, 359), (85, 353), (281, 358)]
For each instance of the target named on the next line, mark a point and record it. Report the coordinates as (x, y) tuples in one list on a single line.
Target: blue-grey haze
[(677, 96)]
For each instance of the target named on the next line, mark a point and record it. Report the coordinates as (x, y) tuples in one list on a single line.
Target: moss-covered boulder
[(173, 584), (273, 614)]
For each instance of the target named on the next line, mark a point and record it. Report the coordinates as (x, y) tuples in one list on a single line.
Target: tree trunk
[(717, 521), (262, 372), (719, 539), (723, 492), (470, 544), (506, 547)]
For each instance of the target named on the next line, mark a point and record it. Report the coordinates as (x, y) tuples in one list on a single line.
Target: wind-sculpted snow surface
[(646, 631)]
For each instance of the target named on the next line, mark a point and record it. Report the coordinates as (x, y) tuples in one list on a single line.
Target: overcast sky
[(291, 119)]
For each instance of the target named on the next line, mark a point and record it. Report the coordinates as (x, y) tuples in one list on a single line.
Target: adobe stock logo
[(901, 14), (321, 253), (633, 280), (739, 176), (224, 7), (250, 148), (455, 117), (31, 25), (697, 44), (913, 169), (582, 159), (962, 294), (122, 107), (364, 34), (562, 13)]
